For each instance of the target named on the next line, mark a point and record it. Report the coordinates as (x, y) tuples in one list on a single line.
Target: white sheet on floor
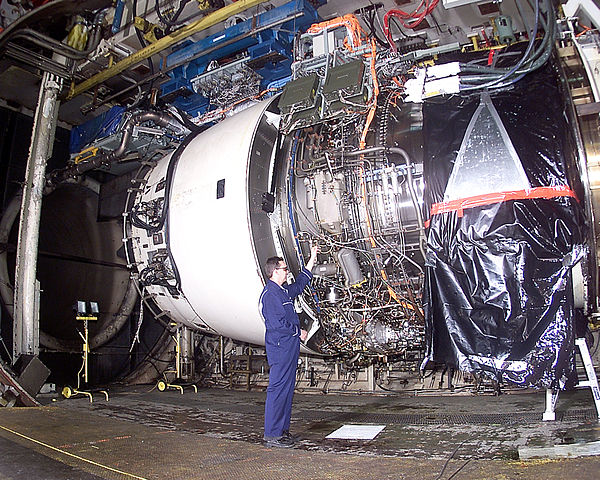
[(357, 432)]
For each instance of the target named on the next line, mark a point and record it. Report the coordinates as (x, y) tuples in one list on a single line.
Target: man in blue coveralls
[(282, 341)]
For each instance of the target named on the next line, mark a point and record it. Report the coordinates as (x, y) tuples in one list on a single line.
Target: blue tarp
[(99, 127)]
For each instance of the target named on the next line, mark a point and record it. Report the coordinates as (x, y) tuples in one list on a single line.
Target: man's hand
[(313, 256), (303, 335)]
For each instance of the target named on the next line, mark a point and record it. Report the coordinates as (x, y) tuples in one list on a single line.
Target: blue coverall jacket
[(282, 342)]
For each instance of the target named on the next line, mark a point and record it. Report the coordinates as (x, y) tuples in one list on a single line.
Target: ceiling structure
[(32, 36)]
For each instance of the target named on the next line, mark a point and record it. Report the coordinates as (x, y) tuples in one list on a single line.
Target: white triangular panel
[(487, 161)]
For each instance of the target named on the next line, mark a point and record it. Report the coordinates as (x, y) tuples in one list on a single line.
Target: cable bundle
[(532, 58), (417, 16), (356, 35)]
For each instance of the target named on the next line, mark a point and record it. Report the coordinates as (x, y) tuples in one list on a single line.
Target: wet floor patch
[(482, 427)]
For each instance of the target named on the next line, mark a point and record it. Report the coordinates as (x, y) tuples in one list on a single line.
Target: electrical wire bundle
[(353, 317), (532, 59), (170, 16), (356, 35), (408, 20), (147, 215), (369, 16)]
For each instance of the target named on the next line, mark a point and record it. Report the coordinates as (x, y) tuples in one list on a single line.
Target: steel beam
[(165, 42)]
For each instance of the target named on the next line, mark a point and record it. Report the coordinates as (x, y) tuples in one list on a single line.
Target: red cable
[(404, 18)]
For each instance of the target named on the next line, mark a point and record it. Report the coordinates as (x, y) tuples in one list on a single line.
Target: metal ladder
[(591, 382)]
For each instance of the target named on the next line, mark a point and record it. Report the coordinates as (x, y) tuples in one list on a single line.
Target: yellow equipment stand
[(164, 384), (69, 392)]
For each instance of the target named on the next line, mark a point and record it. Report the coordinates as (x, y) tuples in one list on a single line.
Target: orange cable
[(352, 27), (362, 143)]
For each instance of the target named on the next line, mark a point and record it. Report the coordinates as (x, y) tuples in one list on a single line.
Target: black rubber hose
[(143, 43), (173, 21)]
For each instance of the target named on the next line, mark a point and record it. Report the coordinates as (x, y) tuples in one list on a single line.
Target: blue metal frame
[(277, 26)]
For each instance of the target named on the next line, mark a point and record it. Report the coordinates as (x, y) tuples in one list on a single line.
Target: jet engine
[(208, 215)]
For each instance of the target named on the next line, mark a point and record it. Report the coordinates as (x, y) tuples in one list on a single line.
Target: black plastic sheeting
[(498, 294)]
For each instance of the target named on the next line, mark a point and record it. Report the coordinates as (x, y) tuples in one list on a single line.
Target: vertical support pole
[(178, 353), (42, 138), (187, 353), (549, 414), (86, 351), (371, 377), (36, 318)]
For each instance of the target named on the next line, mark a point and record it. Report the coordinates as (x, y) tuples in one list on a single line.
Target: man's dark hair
[(271, 264)]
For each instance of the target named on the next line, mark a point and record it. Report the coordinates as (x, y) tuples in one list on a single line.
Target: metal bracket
[(591, 382)]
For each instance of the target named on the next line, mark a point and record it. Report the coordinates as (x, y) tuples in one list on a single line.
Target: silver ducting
[(349, 264)]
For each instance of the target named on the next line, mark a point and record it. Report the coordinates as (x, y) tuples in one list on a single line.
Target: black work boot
[(279, 442), (287, 434)]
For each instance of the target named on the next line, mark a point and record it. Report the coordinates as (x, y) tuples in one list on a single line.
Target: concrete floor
[(217, 434)]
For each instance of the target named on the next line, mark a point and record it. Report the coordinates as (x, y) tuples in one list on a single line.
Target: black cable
[(437, 25), (528, 62), (448, 461), (127, 362), (168, 185), (169, 179), (373, 28), (149, 351), (459, 469), (173, 20), (135, 219), (186, 122), (521, 61), (163, 219), (148, 357), (143, 44)]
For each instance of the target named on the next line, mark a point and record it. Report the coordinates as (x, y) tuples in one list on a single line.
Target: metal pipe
[(53, 9), (187, 353), (221, 355), (161, 119), (49, 43), (413, 196), (164, 43), (411, 189), (178, 353), (36, 60), (364, 151), (44, 126)]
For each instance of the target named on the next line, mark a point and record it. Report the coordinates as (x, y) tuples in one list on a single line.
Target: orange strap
[(479, 200)]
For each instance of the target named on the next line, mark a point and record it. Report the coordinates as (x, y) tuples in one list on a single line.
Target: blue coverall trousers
[(280, 392)]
